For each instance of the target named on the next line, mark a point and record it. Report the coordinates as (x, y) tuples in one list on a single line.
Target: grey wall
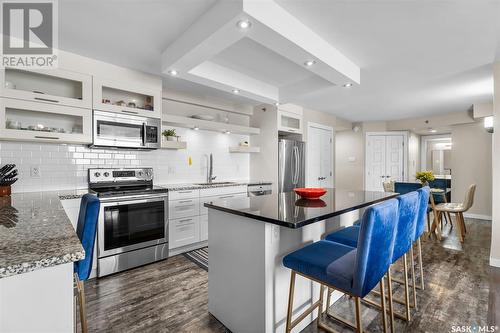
[(471, 164)]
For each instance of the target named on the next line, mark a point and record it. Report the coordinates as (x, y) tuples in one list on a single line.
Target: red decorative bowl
[(310, 193)]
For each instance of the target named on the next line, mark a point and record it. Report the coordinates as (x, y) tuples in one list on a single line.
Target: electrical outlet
[(35, 171)]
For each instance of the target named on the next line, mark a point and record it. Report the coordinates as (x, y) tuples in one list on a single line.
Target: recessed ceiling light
[(227, 132), (196, 128), (309, 63), (432, 130), (277, 103), (347, 85), (236, 91), (173, 72), (244, 24)]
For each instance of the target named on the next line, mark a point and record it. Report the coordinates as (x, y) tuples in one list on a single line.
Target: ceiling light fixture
[(431, 130), (227, 132), (236, 91), (347, 85), (309, 63), (277, 103), (244, 24), (196, 128), (173, 72)]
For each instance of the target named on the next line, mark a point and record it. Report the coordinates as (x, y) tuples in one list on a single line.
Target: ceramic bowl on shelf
[(310, 193)]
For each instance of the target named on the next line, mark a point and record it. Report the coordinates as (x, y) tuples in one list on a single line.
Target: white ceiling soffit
[(194, 55)]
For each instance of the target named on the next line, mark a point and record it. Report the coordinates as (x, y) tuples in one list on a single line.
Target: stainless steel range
[(133, 220)]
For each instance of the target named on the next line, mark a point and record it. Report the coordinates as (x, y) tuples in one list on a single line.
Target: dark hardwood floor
[(171, 296)]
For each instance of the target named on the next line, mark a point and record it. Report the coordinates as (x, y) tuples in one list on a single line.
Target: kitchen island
[(248, 238), (38, 247)]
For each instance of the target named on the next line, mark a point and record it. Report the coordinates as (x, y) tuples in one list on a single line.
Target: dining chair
[(408, 217), (352, 271), (86, 231), (458, 209), (388, 185)]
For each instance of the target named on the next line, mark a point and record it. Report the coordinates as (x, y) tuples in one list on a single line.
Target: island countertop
[(35, 233), (289, 210)]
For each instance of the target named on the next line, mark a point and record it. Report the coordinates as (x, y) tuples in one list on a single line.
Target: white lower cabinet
[(183, 208), (184, 231), (188, 217)]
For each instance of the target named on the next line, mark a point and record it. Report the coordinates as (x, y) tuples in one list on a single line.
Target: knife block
[(5, 191)]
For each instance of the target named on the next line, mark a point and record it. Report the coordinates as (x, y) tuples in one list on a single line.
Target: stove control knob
[(140, 173), (106, 174), (97, 174)]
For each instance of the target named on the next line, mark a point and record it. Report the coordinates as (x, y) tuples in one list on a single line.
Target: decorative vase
[(5, 191), (171, 138), (425, 183)]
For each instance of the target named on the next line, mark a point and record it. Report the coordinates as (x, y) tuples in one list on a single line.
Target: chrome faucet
[(210, 169)]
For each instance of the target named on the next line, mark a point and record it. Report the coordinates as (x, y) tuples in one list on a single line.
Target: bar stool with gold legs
[(353, 271), (405, 232), (86, 231)]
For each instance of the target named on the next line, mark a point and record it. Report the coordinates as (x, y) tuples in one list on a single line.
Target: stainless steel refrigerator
[(291, 165)]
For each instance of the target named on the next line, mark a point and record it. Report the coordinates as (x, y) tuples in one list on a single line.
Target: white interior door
[(375, 162), (320, 157), (394, 158)]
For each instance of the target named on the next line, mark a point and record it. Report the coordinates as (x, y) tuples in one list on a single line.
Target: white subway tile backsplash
[(65, 166)]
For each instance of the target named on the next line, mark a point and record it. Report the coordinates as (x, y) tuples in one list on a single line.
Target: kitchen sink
[(215, 183)]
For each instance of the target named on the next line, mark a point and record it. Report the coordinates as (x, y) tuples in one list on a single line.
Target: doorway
[(385, 159), (320, 155)]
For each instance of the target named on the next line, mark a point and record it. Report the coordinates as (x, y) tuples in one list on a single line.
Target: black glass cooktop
[(119, 191)]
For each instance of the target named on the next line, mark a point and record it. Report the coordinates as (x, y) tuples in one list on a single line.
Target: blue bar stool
[(85, 230), (406, 227), (424, 194), (353, 271)]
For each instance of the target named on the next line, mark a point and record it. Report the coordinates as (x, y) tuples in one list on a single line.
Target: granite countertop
[(289, 210), (36, 233), (190, 186)]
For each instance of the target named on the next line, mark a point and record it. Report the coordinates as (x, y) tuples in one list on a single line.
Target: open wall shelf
[(243, 149), (187, 122)]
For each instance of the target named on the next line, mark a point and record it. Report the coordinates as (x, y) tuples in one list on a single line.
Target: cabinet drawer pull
[(185, 220), (226, 196), (185, 201), (131, 112), (46, 100), (46, 137), (184, 191)]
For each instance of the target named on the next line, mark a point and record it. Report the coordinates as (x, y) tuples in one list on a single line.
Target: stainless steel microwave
[(117, 130)]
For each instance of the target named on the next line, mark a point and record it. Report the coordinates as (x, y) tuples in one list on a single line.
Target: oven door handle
[(128, 202)]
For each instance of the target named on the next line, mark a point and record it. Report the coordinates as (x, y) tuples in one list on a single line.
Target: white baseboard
[(477, 216), (495, 262)]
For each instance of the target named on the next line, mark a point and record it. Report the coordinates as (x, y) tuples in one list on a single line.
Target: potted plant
[(425, 177), (170, 134)]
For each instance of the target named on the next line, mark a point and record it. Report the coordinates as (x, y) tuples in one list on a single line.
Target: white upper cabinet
[(54, 86), (126, 97), (42, 122), (290, 118)]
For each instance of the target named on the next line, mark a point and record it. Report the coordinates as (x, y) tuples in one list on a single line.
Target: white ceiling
[(416, 57)]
